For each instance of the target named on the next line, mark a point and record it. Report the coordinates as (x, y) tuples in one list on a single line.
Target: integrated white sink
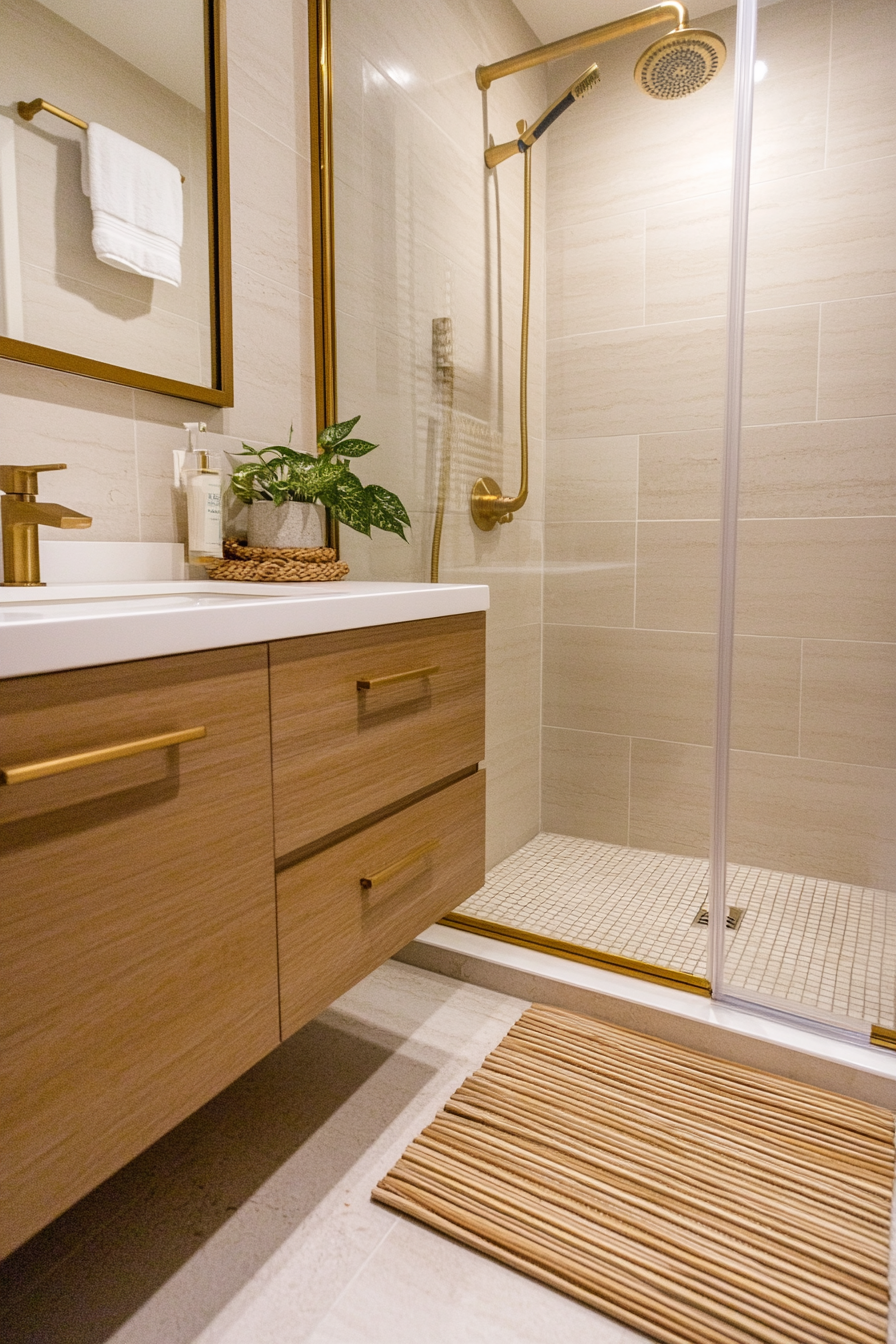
[(81, 625)]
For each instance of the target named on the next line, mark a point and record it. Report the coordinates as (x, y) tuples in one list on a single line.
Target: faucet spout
[(20, 516)]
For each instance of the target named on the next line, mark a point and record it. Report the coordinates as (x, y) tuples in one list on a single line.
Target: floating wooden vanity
[(168, 916)]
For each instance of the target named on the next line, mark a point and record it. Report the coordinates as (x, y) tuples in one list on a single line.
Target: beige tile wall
[(636, 269), (117, 441), (424, 232)]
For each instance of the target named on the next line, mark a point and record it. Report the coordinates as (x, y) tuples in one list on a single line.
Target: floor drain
[(732, 922)]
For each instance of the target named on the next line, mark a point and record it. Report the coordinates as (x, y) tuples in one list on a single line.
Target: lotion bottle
[(202, 482)]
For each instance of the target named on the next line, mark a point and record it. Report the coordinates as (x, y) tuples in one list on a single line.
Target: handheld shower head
[(680, 63), (578, 89)]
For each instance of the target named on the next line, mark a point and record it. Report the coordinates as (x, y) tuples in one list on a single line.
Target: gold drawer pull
[(58, 765), (371, 683), (377, 879)]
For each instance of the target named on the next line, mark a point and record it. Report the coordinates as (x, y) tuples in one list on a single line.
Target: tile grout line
[(345, 1287)]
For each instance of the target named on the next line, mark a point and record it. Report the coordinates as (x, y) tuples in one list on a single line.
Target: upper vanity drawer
[(363, 718)]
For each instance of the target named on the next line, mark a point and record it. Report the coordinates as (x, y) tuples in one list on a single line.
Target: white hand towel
[(138, 205)]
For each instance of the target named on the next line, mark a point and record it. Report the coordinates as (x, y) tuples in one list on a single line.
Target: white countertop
[(82, 625)]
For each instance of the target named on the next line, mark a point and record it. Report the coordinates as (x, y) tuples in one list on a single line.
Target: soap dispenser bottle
[(202, 482)]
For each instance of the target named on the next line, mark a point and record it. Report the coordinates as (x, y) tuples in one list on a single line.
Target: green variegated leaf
[(387, 511), (354, 448), (352, 505), (332, 435)]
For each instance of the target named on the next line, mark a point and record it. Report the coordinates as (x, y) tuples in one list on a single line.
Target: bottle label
[(213, 517)]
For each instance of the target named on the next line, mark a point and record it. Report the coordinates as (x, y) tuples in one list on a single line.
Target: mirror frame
[(320, 85), (218, 167)]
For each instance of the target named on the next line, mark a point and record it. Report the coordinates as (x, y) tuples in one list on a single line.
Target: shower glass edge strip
[(745, 59)]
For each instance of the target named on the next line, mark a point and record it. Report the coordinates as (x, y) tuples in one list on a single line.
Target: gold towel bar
[(377, 879), (28, 111), (58, 765), (418, 673)]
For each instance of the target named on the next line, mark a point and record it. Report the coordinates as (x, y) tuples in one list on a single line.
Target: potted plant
[(288, 491)]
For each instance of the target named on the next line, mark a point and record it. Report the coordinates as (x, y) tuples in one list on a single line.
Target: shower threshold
[(827, 948)]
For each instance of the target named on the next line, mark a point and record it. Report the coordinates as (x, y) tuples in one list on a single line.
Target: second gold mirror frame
[(175, 339)]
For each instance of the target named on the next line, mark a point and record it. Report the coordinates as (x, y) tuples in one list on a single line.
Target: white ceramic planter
[(291, 524)]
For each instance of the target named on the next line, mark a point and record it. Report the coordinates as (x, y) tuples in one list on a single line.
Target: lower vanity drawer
[(345, 910)]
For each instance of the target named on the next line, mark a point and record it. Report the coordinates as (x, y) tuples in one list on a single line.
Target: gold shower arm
[(592, 37)]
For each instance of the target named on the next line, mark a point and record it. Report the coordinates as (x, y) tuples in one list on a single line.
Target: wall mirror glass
[(114, 196)]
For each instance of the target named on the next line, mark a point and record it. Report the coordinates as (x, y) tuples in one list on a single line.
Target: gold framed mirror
[(127, 284)]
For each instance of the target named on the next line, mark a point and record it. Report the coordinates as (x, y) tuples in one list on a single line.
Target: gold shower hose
[(487, 505)]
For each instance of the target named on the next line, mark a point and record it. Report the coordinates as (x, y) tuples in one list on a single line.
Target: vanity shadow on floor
[(96, 1266)]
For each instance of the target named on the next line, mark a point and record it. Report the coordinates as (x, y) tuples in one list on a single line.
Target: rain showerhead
[(528, 135), (680, 63)]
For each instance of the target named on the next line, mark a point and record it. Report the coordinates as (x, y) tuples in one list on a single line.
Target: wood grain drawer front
[(333, 931), (138, 961), (341, 752)]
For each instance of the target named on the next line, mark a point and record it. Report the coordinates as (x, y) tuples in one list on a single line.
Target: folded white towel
[(138, 205)]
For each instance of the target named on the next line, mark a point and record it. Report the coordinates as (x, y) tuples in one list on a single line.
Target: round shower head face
[(680, 63)]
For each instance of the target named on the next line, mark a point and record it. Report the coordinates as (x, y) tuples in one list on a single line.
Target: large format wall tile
[(765, 713), (821, 818), (680, 475), (91, 428), (812, 469), (849, 702), (677, 575), (585, 785), (857, 360), (862, 115), (589, 573), (820, 469), (686, 258), (823, 235), (513, 795), (591, 478), (670, 797), (637, 381), (819, 578), (595, 275), (780, 365), (513, 684), (633, 683)]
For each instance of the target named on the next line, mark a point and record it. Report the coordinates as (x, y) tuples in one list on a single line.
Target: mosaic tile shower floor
[(828, 946)]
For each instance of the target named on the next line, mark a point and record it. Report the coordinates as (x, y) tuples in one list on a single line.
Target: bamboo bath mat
[(699, 1201)]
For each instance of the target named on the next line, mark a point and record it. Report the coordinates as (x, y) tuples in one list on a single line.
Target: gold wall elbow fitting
[(489, 507), (20, 516)]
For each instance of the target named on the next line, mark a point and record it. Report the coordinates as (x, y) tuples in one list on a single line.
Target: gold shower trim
[(589, 956), (883, 1036), (591, 37)]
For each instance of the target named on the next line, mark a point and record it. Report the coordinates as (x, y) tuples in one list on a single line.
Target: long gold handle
[(58, 765), (417, 674), (377, 879)]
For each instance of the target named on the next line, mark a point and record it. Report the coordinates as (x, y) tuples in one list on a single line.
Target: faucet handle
[(23, 480)]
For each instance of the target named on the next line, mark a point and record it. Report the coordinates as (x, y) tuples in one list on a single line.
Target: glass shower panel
[(812, 810), (428, 287), (637, 210)]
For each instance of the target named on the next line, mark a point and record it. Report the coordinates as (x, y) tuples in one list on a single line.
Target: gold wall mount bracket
[(488, 506)]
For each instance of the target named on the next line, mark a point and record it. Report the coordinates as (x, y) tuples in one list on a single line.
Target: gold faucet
[(20, 516)]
